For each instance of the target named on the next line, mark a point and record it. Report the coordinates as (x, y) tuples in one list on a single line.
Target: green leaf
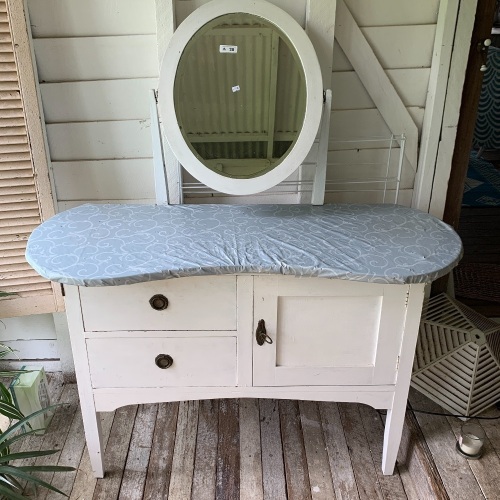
[(25, 421), (5, 393), (5, 350), (11, 483), (9, 410), (7, 443), (4, 452), (15, 482), (18, 472), (11, 494), (27, 454), (47, 468)]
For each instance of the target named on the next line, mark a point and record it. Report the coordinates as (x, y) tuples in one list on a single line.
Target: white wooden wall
[(34, 340), (402, 38), (97, 59)]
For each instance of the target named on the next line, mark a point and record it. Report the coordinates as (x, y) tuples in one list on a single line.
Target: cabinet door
[(327, 332)]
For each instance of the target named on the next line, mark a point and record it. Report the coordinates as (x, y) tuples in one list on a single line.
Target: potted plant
[(11, 475)]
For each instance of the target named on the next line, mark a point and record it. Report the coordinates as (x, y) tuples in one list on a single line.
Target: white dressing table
[(165, 302), (266, 301)]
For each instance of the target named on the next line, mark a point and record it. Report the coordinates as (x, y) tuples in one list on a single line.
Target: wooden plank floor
[(262, 449)]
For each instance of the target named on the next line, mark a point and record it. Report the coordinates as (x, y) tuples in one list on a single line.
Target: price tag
[(228, 49)]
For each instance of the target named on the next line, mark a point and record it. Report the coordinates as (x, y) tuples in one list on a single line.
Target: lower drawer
[(132, 362)]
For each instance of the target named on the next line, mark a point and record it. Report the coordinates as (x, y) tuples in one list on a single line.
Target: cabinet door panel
[(328, 332)]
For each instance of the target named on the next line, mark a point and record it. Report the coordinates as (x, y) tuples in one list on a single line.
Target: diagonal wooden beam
[(373, 76)]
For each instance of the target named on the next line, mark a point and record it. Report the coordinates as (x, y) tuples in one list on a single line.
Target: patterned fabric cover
[(96, 245), (487, 132)]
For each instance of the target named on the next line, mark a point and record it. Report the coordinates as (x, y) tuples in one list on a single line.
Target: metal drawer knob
[(158, 302), (164, 361)]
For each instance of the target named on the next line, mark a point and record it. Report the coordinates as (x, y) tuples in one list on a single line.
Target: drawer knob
[(158, 302), (164, 361), (261, 333)]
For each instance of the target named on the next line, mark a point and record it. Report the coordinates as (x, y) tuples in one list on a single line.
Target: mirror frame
[(313, 83)]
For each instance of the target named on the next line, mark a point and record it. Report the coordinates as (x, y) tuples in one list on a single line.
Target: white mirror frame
[(314, 95)]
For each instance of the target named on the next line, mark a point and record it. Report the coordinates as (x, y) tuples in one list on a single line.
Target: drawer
[(125, 362), (197, 303)]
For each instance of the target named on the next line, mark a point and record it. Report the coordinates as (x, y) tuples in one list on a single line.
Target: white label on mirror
[(236, 88), (228, 49)]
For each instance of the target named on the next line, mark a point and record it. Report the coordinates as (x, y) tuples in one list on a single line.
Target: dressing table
[(181, 302)]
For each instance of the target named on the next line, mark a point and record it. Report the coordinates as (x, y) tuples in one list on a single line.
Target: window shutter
[(25, 194)]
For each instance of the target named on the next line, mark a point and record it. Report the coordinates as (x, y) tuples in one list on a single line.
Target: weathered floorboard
[(184, 451), (162, 452), (415, 462), (317, 458), (273, 472), (255, 449), (115, 455), (85, 482), (250, 451), (454, 470), (294, 453), (485, 470), (344, 482), (205, 462), (71, 456), (136, 468), (391, 486), (359, 450), (55, 436), (228, 451)]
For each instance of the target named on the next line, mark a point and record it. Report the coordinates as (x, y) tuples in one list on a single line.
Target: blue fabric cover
[(96, 245)]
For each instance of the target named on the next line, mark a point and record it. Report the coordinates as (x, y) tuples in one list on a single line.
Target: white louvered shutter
[(25, 195)]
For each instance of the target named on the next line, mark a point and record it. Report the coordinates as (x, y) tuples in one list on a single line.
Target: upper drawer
[(197, 303)]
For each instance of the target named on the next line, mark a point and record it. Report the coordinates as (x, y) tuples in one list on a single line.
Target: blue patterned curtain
[(487, 132)]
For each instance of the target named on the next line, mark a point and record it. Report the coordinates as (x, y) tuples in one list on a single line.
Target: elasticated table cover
[(98, 245)]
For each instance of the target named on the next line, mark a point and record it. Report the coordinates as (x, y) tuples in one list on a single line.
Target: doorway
[(471, 204)]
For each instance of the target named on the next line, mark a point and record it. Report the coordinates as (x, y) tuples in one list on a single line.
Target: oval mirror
[(240, 95)]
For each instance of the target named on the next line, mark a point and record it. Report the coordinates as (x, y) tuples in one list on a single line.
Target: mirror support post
[(319, 183), (161, 187)]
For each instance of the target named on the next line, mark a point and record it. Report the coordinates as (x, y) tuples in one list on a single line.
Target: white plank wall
[(98, 140), (34, 340), (350, 93), (104, 180), (96, 62), (74, 18), (97, 59), (100, 100), (402, 38), (393, 13), (403, 43)]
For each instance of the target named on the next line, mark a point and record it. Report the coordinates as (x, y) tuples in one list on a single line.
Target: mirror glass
[(240, 95)]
